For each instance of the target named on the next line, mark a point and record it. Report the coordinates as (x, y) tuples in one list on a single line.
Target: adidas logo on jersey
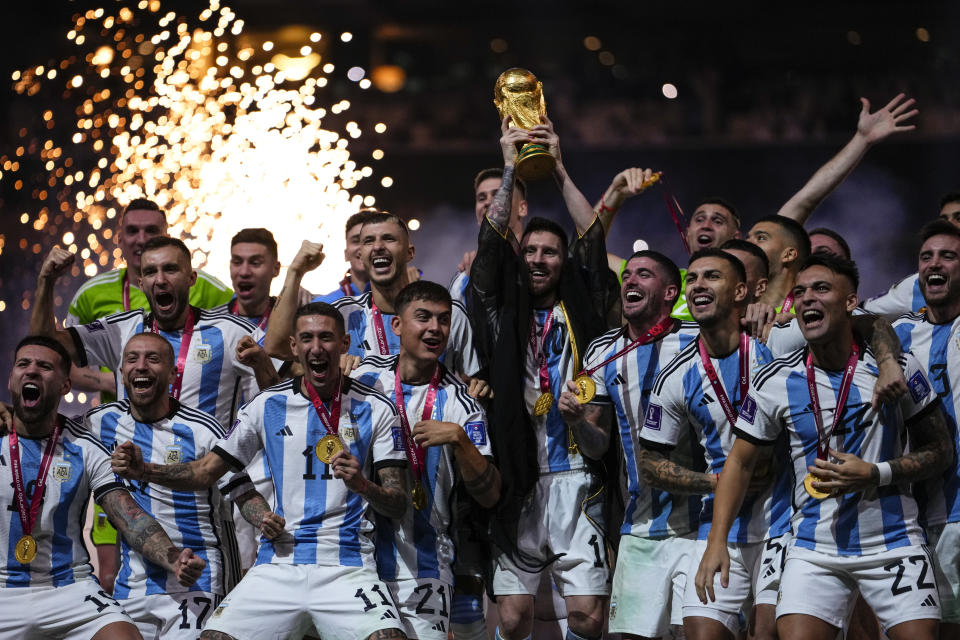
[(929, 601), (286, 431), (387, 615), (619, 380), (705, 400), (439, 627)]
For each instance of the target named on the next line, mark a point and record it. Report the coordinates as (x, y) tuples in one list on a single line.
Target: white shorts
[(553, 522), (899, 585), (945, 542), (755, 571), (176, 616), (424, 605), (71, 612), (274, 601), (649, 583), (248, 541)]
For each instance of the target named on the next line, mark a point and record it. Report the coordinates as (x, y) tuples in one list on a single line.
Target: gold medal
[(543, 404), (26, 549), (814, 493), (419, 494), (586, 389), (327, 447)]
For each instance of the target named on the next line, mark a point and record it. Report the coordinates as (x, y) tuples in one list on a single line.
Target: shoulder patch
[(476, 432), (919, 387), (397, 439), (748, 409), (652, 419)]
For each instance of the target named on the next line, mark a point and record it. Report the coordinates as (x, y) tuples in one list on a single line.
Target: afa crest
[(62, 471), (173, 455)]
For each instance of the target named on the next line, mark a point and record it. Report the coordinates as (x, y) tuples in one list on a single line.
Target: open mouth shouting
[(30, 394), (811, 318), (433, 344), (700, 301), (141, 383), (318, 369), (936, 283), (381, 264), (244, 289), (164, 302)]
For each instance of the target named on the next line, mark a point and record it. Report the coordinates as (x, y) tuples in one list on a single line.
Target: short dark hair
[(668, 266), (320, 309), (378, 217), (166, 241), (951, 196), (537, 223), (795, 233), (168, 350), (830, 233), (836, 264), (496, 172), (50, 343), (938, 227), (713, 252), (142, 204), (726, 204), (256, 235), (359, 218), (739, 244), (421, 290)]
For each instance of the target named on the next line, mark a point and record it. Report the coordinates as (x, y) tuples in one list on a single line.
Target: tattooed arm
[(148, 538), (660, 472), (390, 496), (883, 340), (480, 476), (931, 449), (255, 510), (499, 212), (127, 462)]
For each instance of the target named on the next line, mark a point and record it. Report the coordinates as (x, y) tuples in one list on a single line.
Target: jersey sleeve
[(475, 426), (921, 394), (96, 463), (785, 338), (759, 421), (388, 447), (101, 342), (594, 356), (208, 292), (666, 418), (232, 485), (896, 301), (461, 356), (244, 439)]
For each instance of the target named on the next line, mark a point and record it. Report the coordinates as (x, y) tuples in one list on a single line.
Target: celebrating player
[(855, 521), (323, 435), (658, 535), (446, 438), (54, 466)]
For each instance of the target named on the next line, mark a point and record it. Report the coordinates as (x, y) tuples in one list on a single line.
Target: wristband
[(604, 207), (885, 473)]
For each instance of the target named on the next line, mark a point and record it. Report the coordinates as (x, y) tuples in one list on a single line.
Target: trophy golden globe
[(519, 94)]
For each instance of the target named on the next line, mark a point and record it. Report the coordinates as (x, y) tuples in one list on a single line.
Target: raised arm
[(277, 341), (499, 212), (731, 487), (590, 423), (148, 538), (577, 205), (42, 320), (871, 129), (659, 471), (627, 183), (127, 462)]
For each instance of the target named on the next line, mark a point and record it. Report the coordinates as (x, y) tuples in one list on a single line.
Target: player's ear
[(395, 324), (852, 301), (276, 268), (761, 287), (740, 292)]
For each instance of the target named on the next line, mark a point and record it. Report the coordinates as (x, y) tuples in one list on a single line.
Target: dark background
[(766, 95)]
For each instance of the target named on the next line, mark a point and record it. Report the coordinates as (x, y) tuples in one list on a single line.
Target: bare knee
[(516, 616), (215, 635), (585, 615)]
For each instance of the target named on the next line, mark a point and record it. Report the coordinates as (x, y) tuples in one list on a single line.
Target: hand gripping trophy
[(519, 94)]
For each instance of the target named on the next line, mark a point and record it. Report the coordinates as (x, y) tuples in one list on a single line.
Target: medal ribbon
[(29, 518), (126, 292), (415, 453), (845, 384), (345, 285), (235, 310), (744, 357), (182, 353), (652, 334), (787, 303), (329, 419), (539, 350), (378, 328), (679, 220)]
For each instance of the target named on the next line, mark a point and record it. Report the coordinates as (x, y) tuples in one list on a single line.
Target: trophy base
[(534, 162)]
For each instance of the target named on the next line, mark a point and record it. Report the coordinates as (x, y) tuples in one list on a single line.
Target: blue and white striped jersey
[(856, 523), (80, 465), (212, 377), (552, 433), (460, 356), (626, 384), (192, 519), (419, 545), (458, 286), (327, 524), (683, 397), (903, 297), (937, 347)]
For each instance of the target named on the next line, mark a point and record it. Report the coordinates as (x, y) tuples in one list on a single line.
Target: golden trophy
[(519, 94)]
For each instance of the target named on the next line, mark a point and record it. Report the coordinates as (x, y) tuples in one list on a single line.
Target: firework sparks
[(186, 111)]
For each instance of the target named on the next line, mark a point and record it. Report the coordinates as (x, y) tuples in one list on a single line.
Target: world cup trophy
[(519, 94)]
